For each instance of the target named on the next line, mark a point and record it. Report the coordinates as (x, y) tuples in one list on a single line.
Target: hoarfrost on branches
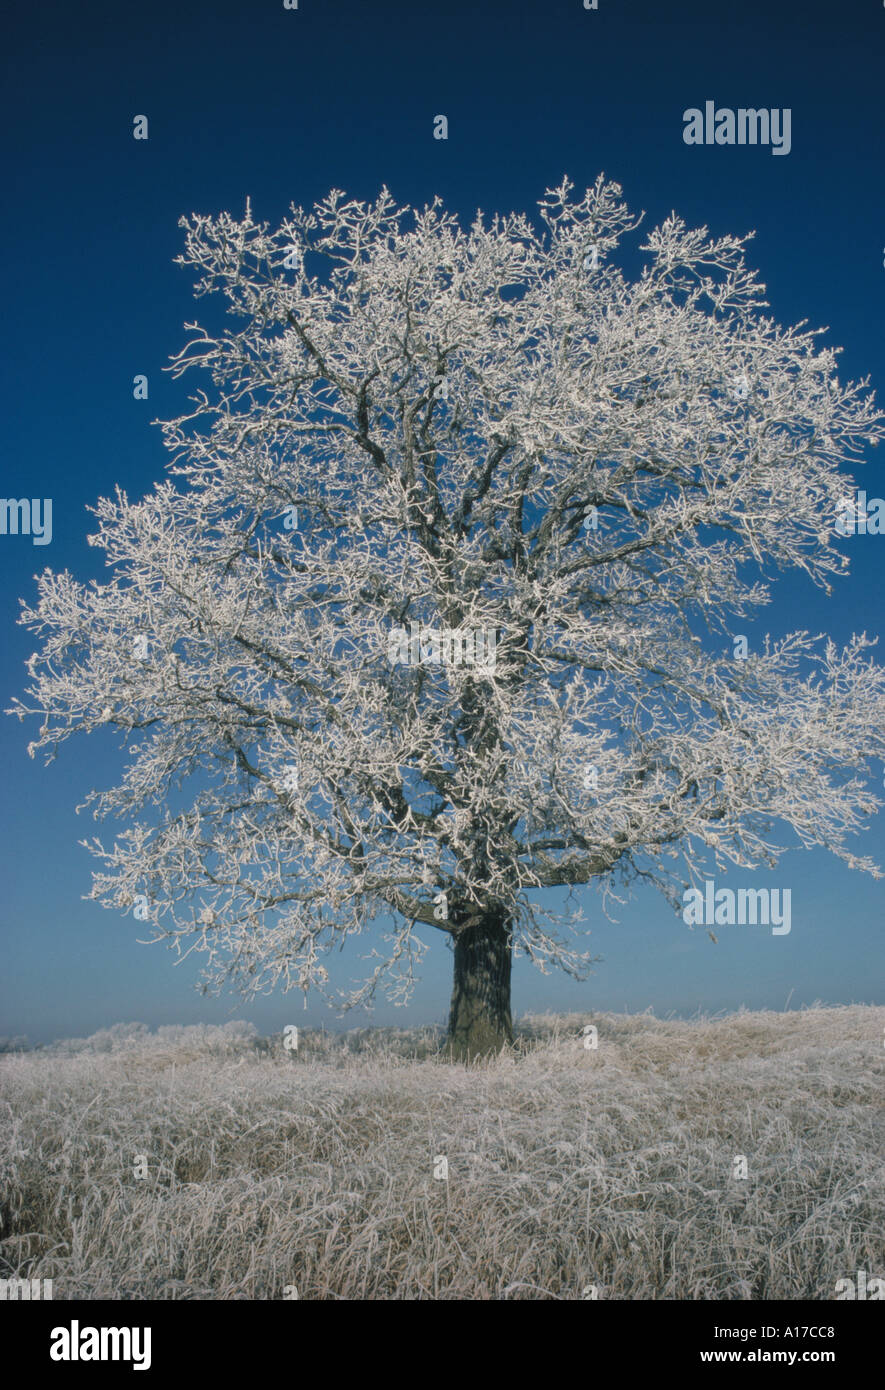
[(494, 430)]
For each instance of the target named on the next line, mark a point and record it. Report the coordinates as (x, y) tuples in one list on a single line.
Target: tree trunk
[(479, 1021)]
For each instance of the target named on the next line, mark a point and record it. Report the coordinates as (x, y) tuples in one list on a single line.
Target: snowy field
[(572, 1172)]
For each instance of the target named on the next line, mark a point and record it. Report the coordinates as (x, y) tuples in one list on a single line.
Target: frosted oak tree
[(412, 434)]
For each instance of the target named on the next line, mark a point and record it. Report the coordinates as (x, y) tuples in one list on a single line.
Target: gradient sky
[(249, 98)]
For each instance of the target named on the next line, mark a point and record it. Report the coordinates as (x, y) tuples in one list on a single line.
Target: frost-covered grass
[(566, 1167)]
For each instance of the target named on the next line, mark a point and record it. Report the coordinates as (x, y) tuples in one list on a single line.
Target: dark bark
[(479, 1020)]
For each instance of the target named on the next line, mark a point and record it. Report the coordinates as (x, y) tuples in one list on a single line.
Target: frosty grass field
[(568, 1168)]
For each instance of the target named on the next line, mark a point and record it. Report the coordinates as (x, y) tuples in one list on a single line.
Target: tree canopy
[(496, 431)]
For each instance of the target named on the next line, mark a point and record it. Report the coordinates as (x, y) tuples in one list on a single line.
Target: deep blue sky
[(249, 98)]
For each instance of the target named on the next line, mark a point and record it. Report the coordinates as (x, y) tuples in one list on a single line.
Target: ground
[(573, 1172)]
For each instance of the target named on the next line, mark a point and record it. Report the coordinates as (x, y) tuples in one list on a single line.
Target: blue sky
[(251, 99)]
